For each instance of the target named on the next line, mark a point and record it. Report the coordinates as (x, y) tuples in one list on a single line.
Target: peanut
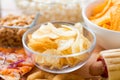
[(11, 37)]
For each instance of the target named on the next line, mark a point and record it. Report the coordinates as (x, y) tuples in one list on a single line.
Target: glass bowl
[(13, 25), (78, 59)]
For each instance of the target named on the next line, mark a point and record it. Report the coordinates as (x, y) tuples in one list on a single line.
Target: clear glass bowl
[(13, 25), (82, 56)]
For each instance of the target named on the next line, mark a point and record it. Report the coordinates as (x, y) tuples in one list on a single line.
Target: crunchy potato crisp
[(115, 19), (109, 16)]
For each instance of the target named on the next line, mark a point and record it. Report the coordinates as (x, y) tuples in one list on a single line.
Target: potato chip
[(79, 41), (50, 35), (49, 60), (44, 31), (66, 51), (101, 8), (64, 44), (76, 44), (110, 18), (106, 26), (116, 2), (69, 32), (42, 44), (72, 61), (102, 20), (105, 18), (115, 19)]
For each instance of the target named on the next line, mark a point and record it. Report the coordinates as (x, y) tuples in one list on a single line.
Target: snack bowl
[(106, 38), (60, 59), (13, 26)]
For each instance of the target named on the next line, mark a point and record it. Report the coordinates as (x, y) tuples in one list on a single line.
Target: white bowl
[(107, 39)]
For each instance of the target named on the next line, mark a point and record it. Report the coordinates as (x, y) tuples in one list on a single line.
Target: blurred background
[(50, 10)]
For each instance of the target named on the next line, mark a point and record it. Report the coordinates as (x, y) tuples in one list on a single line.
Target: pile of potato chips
[(107, 15), (51, 41)]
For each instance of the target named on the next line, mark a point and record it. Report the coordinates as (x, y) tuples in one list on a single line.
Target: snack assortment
[(103, 16), (52, 10), (56, 46), (14, 63), (54, 43), (107, 15), (12, 28), (41, 75)]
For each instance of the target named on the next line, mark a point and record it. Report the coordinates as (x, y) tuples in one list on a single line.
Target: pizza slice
[(14, 63)]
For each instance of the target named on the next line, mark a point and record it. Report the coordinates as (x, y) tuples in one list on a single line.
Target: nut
[(11, 37)]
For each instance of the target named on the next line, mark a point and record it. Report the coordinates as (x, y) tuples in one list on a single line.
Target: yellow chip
[(42, 44), (115, 18), (105, 18), (116, 2), (100, 9), (107, 15), (106, 26)]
